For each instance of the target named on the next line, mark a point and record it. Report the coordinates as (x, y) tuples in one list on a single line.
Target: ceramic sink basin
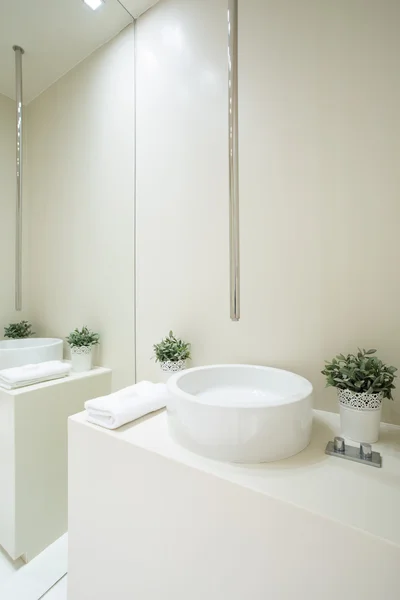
[(16, 353), (240, 413)]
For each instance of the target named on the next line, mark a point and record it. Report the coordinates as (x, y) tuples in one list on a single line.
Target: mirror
[(62, 45)]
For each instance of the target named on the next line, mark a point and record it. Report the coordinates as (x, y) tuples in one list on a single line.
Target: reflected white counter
[(33, 458)]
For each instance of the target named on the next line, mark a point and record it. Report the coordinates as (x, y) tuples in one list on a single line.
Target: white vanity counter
[(310, 512)]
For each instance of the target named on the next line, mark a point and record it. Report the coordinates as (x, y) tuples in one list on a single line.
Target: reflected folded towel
[(30, 374), (126, 405)]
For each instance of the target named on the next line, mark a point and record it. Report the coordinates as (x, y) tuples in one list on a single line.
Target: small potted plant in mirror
[(362, 381), (82, 343), (172, 354), (18, 331)]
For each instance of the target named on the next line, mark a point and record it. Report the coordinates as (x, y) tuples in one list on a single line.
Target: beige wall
[(7, 215), (81, 196), (319, 182)]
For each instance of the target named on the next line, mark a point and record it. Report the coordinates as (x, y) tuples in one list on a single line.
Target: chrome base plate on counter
[(373, 459)]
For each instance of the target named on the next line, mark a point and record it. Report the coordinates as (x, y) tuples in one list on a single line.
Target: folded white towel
[(30, 374), (126, 405)]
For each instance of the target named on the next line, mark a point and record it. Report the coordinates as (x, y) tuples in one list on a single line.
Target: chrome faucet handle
[(339, 445), (365, 451)]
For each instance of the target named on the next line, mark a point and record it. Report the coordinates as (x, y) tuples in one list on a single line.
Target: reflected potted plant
[(362, 381), (82, 343), (18, 331), (172, 354)]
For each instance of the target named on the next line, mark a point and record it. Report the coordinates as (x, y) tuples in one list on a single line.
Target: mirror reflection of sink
[(16, 353), (240, 413)]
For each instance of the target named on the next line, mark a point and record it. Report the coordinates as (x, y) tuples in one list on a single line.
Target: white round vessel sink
[(29, 351), (240, 413)]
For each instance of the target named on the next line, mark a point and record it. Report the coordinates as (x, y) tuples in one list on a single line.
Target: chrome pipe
[(234, 250), (19, 132)]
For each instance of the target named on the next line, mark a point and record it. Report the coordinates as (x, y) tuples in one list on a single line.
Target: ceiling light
[(94, 4)]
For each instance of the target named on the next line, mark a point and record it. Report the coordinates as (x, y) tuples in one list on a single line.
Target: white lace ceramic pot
[(170, 367), (360, 415), (81, 358)]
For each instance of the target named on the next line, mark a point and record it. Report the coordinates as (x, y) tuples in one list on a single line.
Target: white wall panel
[(319, 179)]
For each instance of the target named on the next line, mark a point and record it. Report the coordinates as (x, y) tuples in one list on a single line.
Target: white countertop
[(62, 380), (356, 495)]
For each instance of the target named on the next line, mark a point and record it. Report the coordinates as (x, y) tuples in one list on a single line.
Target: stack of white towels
[(18, 377), (127, 405)]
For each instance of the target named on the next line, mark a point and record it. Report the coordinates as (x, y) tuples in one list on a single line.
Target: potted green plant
[(18, 331), (172, 354), (362, 381), (82, 343)]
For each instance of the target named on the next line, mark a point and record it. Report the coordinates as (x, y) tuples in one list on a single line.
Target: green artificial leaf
[(17, 331), (84, 337), (360, 373), (171, 349)]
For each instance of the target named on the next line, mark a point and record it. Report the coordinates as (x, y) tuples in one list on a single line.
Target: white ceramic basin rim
[(16, 353), (254, 385), (240, 413)]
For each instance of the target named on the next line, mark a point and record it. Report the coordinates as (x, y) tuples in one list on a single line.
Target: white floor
[(43, 577), (8, 567), (58, 592)]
